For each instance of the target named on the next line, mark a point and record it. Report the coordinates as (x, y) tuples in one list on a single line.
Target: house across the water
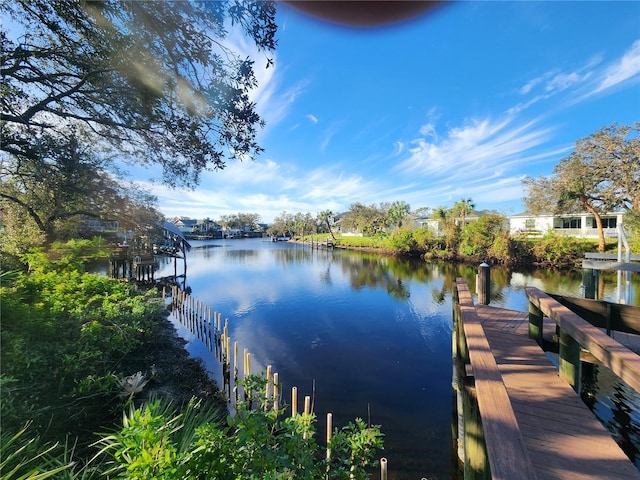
[(580, 225)]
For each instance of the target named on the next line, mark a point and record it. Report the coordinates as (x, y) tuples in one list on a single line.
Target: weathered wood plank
[(508, 456), (612, 354)]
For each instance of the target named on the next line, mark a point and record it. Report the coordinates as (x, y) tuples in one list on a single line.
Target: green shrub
[(559, 250), (64, 335), (478, 237), (401, 240), (258, 442)]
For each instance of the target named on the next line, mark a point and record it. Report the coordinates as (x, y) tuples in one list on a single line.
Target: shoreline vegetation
[(549, 251)]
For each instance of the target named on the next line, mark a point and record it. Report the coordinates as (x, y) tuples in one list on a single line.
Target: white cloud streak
[(627, 68)]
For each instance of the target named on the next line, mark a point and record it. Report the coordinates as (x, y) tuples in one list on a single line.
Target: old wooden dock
[(533, 423)]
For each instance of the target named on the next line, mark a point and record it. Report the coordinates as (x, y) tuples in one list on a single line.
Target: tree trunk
[(330, 230), (596, 215)]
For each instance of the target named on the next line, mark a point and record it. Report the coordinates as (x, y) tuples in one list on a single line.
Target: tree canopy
[(153, 80), (602, 174), (48, 198)]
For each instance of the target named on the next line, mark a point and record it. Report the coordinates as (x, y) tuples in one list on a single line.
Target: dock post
[(569, 360), (589, 282), (476, 463), (536, 322), (484, 284)]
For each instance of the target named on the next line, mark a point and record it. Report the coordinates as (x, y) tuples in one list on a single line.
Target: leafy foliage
[(559, 251), (65, 336), (48, 196), (153, 80), (366, 219), (258, 442), (478, 237)]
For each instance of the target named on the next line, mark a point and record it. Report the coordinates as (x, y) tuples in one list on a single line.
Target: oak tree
[(51, 197), (155, 81), (601, 175)]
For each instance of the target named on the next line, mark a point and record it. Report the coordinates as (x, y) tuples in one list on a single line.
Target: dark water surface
[(367, 336)]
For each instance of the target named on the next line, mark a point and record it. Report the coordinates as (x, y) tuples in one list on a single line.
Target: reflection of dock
[(521, 418)]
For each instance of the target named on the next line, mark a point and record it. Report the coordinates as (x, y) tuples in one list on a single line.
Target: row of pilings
[(208, 327)]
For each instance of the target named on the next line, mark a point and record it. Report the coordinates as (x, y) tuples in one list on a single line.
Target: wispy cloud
[(627, 68), (593, 78), (480, 145), (312, 118), (273, 100)]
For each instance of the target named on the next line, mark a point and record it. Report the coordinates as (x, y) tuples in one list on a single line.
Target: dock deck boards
[(564, 438)]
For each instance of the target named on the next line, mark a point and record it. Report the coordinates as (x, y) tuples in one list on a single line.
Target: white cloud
[(563, 81), (625, 69), (398, 148), (273, 101), (476, 147), (313, 118)]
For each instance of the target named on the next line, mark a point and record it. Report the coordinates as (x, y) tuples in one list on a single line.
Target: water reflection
[(616, 405), (366, 335)]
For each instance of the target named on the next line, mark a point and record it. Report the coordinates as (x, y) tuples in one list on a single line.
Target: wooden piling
[(329, 434), (276, 391), (294, 401), (267, 389), (484, 284), (536, 329), (569, 360), (383, 469)]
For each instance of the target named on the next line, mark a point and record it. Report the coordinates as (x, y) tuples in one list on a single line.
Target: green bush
[(258, 442), (65, 335), (401, 240), (559, 251), (478, 237)]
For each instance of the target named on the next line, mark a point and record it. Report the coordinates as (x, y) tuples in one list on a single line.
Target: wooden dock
[(547, 424)]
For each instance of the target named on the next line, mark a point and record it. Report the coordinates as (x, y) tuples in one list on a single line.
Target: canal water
[(365, 335)]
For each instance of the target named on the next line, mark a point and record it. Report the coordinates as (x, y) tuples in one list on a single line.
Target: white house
[(581, 225), (186, 225)]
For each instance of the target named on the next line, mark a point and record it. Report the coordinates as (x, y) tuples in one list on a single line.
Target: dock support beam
[(589, 282), (536, 322), (569, 360)]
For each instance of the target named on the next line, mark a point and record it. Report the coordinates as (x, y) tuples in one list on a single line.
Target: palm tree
[(462, 207), (325, 217)]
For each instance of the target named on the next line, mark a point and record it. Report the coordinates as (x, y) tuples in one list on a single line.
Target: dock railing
[(576, 334), (492, 435)]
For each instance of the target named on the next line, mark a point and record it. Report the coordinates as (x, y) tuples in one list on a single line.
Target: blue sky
[(462, 102)]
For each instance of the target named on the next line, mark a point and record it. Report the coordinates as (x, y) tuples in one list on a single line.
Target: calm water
[(367, 336)]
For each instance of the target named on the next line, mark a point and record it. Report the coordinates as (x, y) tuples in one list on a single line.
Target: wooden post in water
[(276, 391), (329, 433), (589, 282), (267, 389), (536, 324), (484, 284), (476, 462), (383, 469), (307, 411), (294, 401), (235, 368), (569, 360)]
